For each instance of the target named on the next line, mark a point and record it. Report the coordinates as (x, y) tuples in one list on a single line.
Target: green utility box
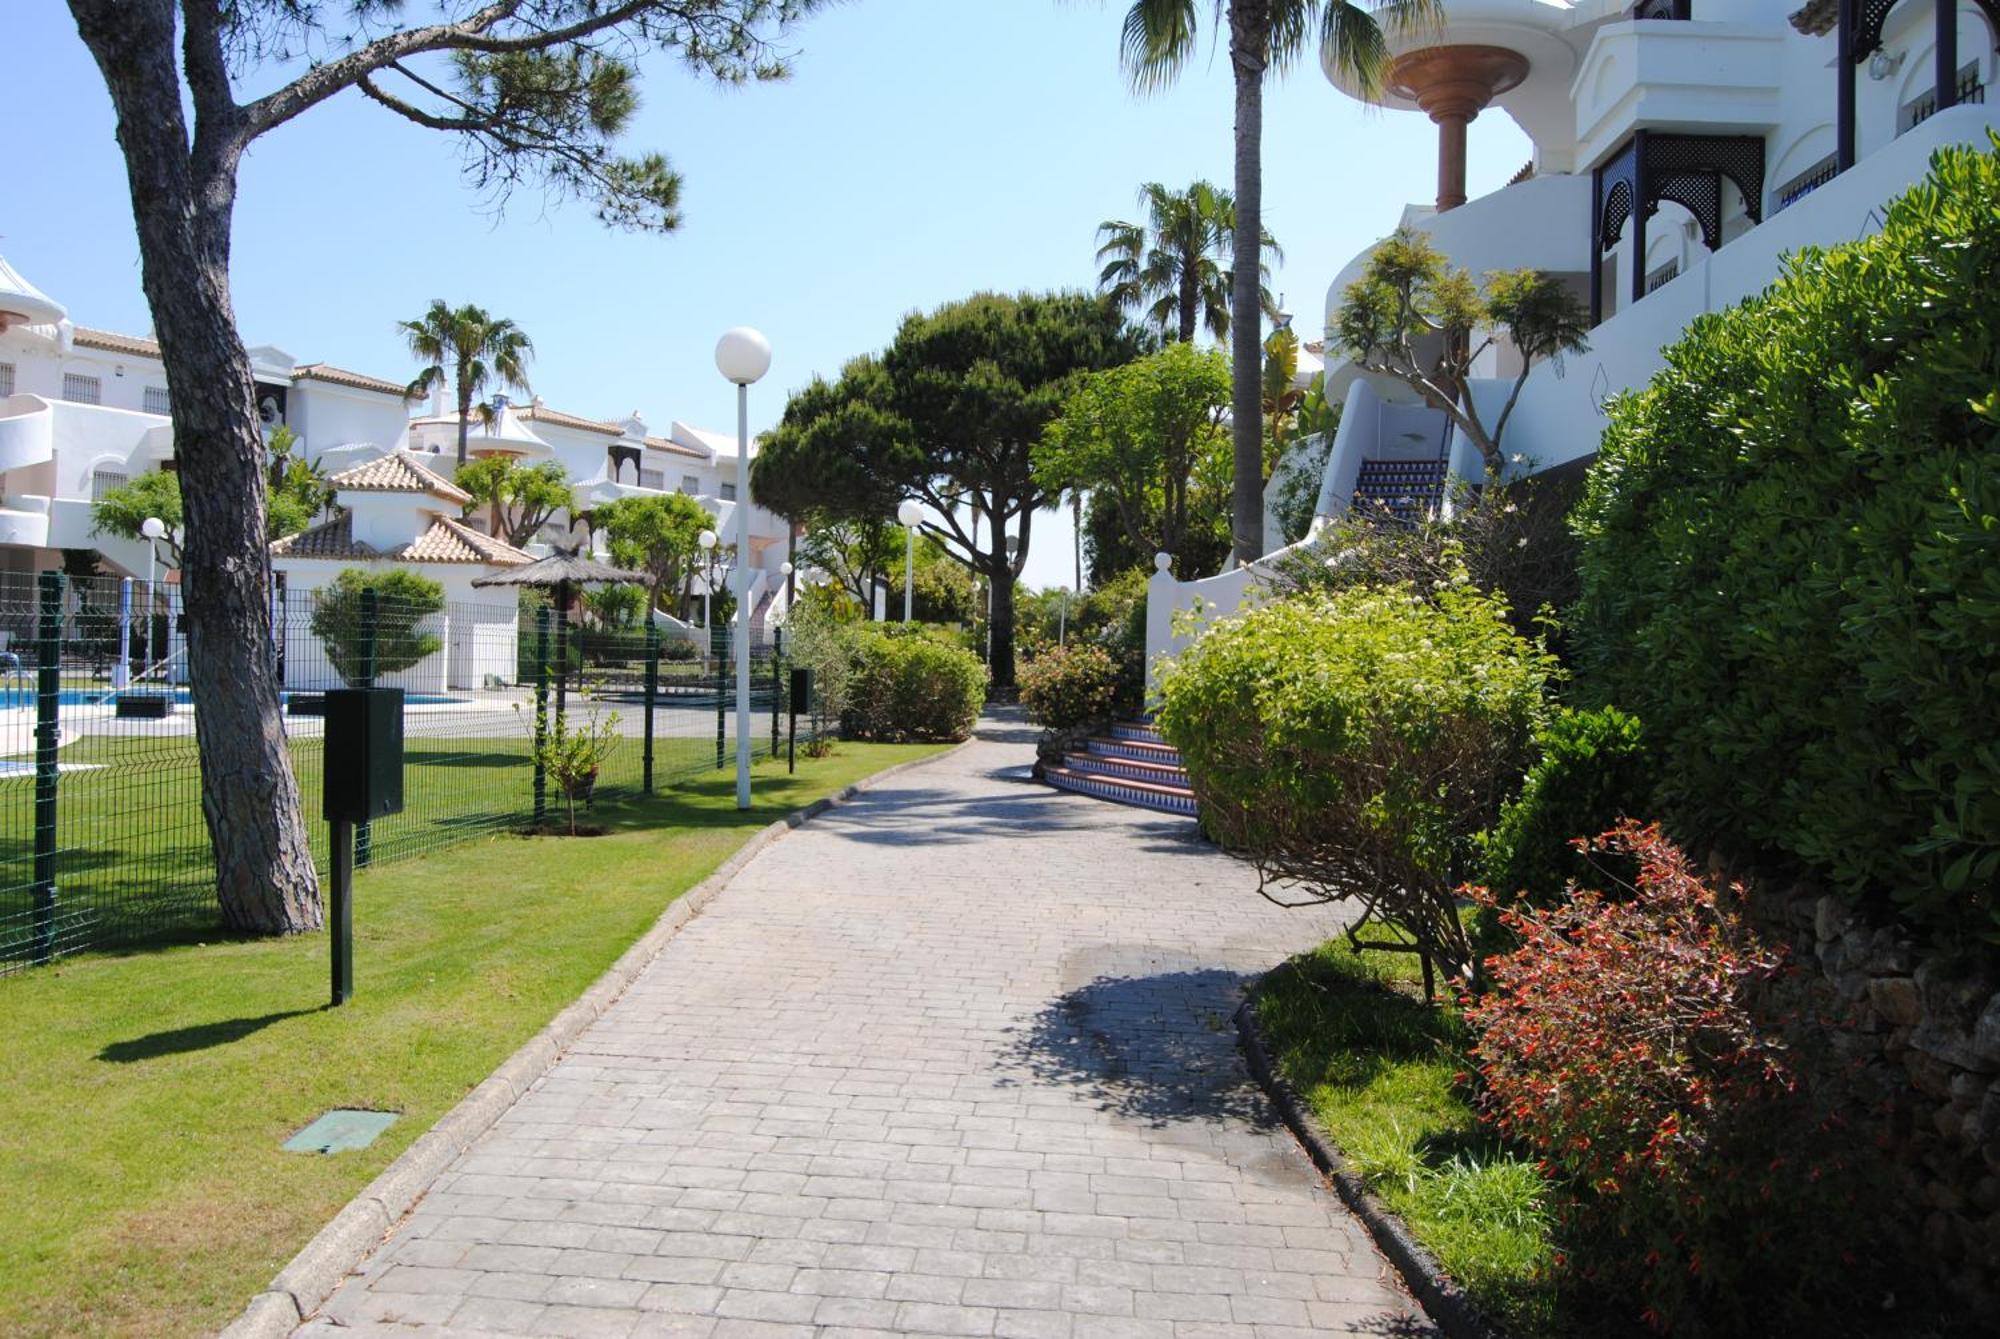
[(363, 768)]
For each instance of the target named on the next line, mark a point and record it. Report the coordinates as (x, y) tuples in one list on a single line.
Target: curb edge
[(1443, 1300), (371, 1217)]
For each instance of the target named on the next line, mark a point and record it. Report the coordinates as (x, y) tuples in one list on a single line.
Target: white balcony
[(27, 434), (24, 521), (1695, 76)]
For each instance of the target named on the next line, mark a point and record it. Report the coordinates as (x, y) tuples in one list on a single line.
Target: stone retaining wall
[(1910, 1043)]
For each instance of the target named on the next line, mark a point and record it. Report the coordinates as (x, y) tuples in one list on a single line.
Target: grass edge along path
[(1379, 1070), (148, 1092)]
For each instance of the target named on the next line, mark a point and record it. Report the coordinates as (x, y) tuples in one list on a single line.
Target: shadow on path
[(1157, 1049)]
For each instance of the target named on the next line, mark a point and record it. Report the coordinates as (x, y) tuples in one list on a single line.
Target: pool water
[(78, 697)]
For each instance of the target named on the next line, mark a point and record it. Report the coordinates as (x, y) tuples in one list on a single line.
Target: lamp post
[(707, 542), (743, 356), (155, 530), (909, 514)]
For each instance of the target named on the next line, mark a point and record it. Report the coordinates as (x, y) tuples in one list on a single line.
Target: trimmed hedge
[(1357, 742), (1591, 770), (908, 685), (1791, 562)]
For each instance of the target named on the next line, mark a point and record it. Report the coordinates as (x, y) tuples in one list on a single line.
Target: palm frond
[(1158, 39)]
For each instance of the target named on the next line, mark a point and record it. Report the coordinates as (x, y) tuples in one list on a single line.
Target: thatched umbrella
[(562, 573)]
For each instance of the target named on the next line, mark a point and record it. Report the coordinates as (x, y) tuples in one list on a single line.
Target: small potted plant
[(571, 757)]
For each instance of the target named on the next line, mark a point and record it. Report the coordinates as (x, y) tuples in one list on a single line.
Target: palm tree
[(1264, 35), (1176, 265), (471, 348)]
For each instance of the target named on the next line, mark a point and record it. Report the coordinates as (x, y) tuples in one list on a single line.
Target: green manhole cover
[(338, 1131)]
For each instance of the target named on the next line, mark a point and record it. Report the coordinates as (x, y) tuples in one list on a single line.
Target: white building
[(1681, 149), (393, 509), (84, 410)]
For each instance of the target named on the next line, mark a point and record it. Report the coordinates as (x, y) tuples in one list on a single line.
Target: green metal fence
[(102, 839)]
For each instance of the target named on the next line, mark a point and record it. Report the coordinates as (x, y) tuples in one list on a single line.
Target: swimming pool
[(78, 697)]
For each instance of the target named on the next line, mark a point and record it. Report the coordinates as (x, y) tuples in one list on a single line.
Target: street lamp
[(743, 356), (909, 514), (154, 529), (707, 542)]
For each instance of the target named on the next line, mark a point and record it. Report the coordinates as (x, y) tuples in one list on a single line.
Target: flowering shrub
[(1619, 1043), (1355, 742), (1067, 686)]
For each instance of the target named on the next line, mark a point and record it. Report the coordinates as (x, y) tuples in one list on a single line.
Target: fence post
[(721, 703), (541, 712), (371, 631), (48, 699), (652, 693)]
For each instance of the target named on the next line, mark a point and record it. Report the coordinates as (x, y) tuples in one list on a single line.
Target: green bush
[(1356, 742), (1068, 686), (403, 599), (1791, 562), (904, 686), (1591, 770)]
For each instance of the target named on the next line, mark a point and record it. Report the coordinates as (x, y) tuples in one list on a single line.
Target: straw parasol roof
[(563, 571)]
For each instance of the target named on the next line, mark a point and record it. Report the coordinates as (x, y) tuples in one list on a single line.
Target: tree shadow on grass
[(199, 1037)]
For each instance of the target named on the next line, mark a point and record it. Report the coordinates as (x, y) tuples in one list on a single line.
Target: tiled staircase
[(1130, 764), (1408, 490)]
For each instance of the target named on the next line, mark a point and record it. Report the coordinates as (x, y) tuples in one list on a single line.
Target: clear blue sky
[(924, 149)]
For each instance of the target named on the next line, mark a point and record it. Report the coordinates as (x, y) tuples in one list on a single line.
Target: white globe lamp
[(743, 356)]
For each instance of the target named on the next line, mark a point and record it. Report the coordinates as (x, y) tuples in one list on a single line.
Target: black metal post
[(340, 918), (1641, 191), (721, 704), (1947, 53), (371, 630), (562, 667), (652, 693), (777, 685), (48, 735), (1596, 248), (1843, 66), (541, 712)]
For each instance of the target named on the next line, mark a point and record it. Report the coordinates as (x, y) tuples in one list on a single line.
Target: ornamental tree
[(1149, 441), (1414, 317), (403, 599), (950, 414), (659, 535), (534, 94), (523, 498)]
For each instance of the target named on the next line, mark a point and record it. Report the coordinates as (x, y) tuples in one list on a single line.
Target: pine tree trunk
[(1001, 573), (1248, 41), (182, 201)]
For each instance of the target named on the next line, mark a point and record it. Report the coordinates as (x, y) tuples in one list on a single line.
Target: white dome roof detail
[(21, 303)]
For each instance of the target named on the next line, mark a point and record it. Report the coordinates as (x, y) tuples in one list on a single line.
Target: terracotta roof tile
[(446, 541), (399, 472), (544, 414), (450, 541), (112, 342), (340, 376), (669, 444), (329, 539)]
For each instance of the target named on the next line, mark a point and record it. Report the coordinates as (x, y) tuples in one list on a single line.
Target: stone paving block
[(872, 1092)]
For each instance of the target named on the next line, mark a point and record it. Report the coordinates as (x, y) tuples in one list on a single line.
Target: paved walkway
[(954, 1059)]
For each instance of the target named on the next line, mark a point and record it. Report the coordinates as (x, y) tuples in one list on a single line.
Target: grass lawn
[(1378, 1068), (147, 1092), (134, 857)]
